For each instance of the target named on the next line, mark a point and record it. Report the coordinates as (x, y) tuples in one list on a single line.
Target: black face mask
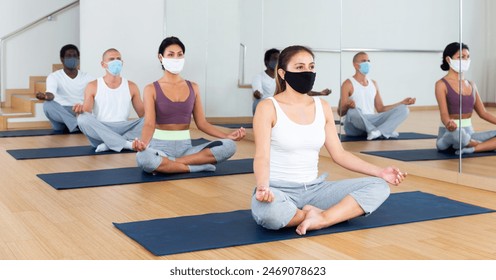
[(272, 64), (302, 82)]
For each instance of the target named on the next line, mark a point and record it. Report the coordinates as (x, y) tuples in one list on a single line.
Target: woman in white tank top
[(290, 128)]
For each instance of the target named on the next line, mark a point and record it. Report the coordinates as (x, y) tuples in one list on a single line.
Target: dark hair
[(282, 63), (66, 48), (450, 51), (268, 54), (355, 57), (169, 41)]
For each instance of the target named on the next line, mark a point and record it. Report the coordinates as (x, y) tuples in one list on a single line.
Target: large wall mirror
[(403, 46), (404, 40)]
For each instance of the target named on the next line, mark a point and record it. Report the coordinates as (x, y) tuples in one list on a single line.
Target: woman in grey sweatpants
[(290, 129)]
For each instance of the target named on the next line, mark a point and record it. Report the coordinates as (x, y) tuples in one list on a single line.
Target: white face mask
[(173, 65), (455, 65)]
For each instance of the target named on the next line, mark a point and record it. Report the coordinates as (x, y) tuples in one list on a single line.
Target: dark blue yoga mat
[(220, 230), (402, 136), (74, 151), (132, 175), (424, 154), (34, 132)]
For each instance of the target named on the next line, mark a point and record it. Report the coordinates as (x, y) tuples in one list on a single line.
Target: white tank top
[(364, 96), (112, 105), (294, 148)]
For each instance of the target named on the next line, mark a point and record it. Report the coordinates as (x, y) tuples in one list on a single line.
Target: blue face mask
[(364, 67), (114, 67), (71, 62)]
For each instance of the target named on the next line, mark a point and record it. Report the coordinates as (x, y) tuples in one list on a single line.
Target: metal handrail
[(376, 50), (241, 73), (4, 38)]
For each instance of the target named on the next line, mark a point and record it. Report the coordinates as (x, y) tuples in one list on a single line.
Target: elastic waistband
[(289, 184), (171, 134), (462, 123)]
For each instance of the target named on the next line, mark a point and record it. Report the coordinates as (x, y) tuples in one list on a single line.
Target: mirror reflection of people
[(448, 99), (362, 105), (170, 103), (290, 129), (64, 92), (264, 84), (107, 102)]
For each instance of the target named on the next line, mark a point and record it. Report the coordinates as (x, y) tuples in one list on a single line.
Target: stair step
[(20, 105)]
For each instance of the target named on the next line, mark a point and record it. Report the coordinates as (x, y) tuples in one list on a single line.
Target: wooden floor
[(39, 222)]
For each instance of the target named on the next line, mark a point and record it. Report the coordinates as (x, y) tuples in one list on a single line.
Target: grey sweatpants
[(113, 134), (60, 117), (151, 158), (369, 193), (356, 123)]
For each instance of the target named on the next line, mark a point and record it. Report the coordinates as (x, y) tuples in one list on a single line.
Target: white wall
[(490, 53), (478, 32), (188, 20), (210, 31), (33, 52), (213, 29), (134, 28)]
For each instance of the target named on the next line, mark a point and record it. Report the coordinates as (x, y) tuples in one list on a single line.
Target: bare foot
[(170, 166), (307, 208), (313, 220)]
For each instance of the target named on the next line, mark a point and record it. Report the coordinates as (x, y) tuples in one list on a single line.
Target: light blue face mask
[(71, 62), (114, 67), (364, 67)]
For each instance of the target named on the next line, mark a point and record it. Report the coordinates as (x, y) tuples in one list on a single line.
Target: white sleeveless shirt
[(364, 96), (112, 105), (294, 148)]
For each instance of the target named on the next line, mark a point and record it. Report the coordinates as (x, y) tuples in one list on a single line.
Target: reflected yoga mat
[(249, 125), (219, 230), (33, 132), (71, 151), (424, 154), (235, 125), (402, 136), (132, 175)]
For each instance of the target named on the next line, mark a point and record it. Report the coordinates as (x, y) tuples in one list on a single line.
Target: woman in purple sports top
[(165, 144), (448, 99)]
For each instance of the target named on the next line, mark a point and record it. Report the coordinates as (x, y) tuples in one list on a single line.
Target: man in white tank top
[(360, 99), (107, 102)]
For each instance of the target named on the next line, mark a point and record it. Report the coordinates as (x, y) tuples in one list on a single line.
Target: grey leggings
[(151, 158), (446, 138), (369, 193)]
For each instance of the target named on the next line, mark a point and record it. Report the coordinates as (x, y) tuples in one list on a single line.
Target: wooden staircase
[(21, 103)]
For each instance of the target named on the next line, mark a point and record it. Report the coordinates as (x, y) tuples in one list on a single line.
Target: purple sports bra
[(453, 100), (169, 112)]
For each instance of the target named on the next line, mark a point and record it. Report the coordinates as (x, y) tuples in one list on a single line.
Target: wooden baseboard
[(423, 108), (225, 120), (29, 125)]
